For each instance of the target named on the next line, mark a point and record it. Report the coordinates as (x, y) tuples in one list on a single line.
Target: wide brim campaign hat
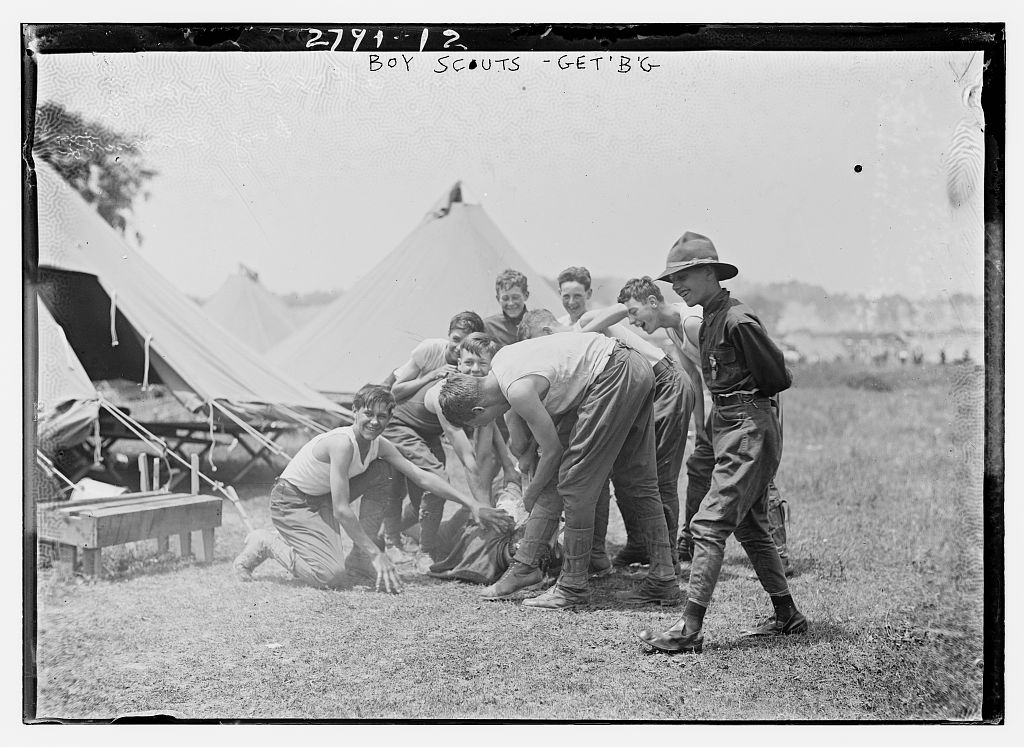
[(694, 250)]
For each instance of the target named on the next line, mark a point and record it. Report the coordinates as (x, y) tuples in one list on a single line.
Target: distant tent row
[(446, 265), (124, 320)]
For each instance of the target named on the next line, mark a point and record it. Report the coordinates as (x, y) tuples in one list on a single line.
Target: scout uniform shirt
[(501, 329), (737, 356)]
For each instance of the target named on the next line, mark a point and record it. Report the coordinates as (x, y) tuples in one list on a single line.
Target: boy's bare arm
[(690, 370), (523, 397), (482, 513), (402, 389), (340, 452), (598, 320)]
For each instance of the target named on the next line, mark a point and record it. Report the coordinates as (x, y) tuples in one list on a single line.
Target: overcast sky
[(309, 167)]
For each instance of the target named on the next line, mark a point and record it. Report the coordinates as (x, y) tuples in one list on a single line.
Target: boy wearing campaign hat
[(742, 369)]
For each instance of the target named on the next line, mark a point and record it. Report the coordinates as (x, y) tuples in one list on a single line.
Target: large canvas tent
[(446, 265), (66, 401), (249, 311), (124, 320)]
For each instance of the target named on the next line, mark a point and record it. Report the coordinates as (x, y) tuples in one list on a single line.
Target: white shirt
[(312, 476), (570, 363), (429, 354), (679, 338), (621, 332)]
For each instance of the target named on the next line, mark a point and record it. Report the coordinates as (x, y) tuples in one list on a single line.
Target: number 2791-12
[(316, 38)]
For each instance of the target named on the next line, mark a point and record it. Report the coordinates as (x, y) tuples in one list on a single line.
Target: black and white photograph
[(513, 372)]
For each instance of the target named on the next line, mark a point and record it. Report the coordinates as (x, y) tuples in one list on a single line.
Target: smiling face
[(643, 314), (574, 298), (512, 301), (456, 336), (695, 286), (369, 422), (472, 364)]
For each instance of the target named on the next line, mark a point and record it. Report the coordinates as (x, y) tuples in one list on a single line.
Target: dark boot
[(628, 556), (649, 591), (796, 624), (673, 642), (518, 577), (559, 598)]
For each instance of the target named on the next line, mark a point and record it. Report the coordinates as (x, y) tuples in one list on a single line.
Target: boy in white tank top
[(336, 468), (601, 392)]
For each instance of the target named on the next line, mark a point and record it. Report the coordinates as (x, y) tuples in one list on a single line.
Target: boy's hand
[(440, 373), (528, 462), (513, 476), (386, 574), (494, 518)]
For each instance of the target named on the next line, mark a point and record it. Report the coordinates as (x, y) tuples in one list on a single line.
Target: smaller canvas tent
[(249, 311), (446, 265)]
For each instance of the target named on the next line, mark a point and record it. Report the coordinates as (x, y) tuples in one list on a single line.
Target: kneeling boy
[(312, 500)]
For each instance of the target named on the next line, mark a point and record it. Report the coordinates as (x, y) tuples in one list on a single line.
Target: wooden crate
[(89, 526)]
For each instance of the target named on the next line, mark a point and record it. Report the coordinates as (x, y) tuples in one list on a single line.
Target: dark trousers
[(699, 467), (674, 399), (307, 524), (427, 453), (747, 443), (612, 428)]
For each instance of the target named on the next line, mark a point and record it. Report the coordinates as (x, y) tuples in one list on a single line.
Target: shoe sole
[(604, 573), (653, 603), (696, 649), (568, 608)]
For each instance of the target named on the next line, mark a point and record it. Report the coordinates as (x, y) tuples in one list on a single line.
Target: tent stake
[(233, 497)]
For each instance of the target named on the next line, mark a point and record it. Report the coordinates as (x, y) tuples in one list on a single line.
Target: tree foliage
[(106, 167)]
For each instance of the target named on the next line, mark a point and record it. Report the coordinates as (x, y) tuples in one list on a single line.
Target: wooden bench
[(90, 525)]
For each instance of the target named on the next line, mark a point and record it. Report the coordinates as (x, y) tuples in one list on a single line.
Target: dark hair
[(639, 289), (579, 275), (533, 321), (508, 279), (371, 396), (458, 396), (479, 344), (468, 321)]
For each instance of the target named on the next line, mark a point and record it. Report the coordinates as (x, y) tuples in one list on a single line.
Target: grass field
[(882, 472)]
